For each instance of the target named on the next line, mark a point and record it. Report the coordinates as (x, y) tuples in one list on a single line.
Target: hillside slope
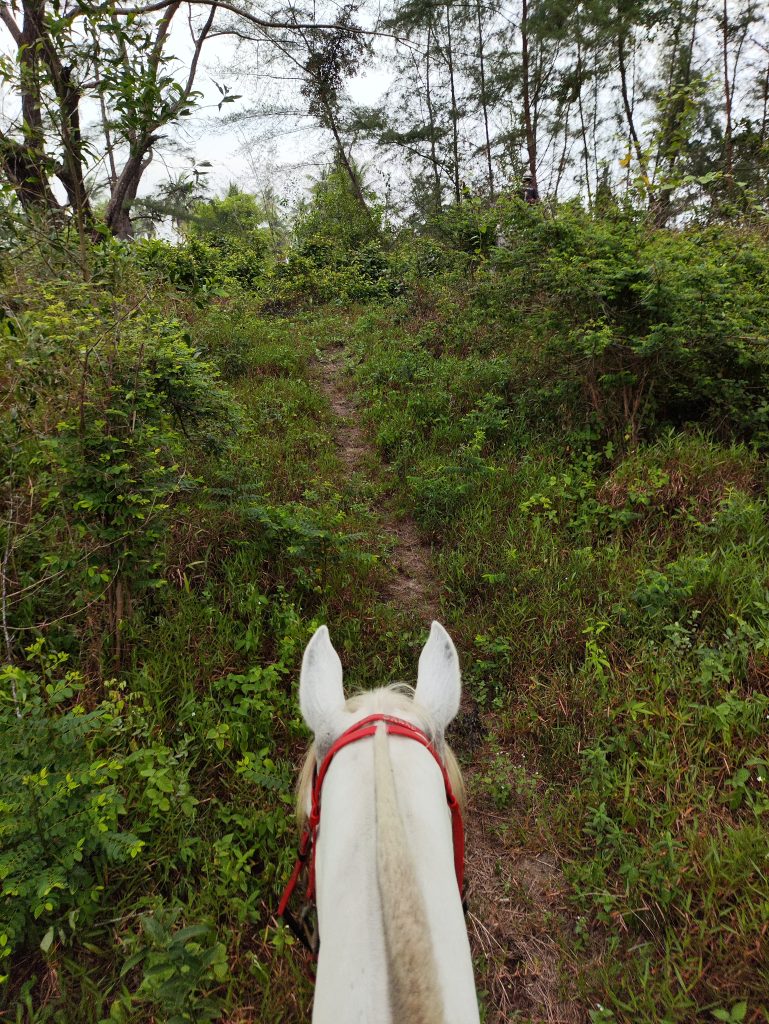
[(557, 448)]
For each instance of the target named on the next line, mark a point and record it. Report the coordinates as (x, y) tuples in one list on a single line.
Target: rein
[(308, 842)]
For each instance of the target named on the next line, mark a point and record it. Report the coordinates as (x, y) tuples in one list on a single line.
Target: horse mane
[(415, 993), (395, 699)]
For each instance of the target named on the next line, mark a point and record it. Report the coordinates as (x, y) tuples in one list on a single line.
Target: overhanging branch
[(263, 23), (8, 20)]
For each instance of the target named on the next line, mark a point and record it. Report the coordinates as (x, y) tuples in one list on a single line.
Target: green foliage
[(470, 226), (106, 414), (193, 267), (321, 272), (60, 801), (181, 969), (234, 227), (610, 597), (636, 328), (338, 255), (603, 561), (334, 216), (420, 260), (201, 268), (146, 544), (237, 217), (732, 1016)]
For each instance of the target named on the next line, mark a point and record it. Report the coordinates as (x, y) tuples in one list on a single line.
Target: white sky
[(288, 159)]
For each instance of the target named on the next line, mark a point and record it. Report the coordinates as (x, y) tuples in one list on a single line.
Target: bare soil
[(519, 921), (412, 582)]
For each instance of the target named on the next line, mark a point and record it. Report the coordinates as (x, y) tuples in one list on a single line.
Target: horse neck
[(387, 894)]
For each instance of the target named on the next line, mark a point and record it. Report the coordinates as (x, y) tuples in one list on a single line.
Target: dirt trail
[(517, 919), (413, 584)]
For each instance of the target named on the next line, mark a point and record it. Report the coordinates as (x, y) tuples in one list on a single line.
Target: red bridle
[(360, 731)]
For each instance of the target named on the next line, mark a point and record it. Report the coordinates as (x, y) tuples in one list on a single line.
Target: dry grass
[(518, 918), (678, 487)]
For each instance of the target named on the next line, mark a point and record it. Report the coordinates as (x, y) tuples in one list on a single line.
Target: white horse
[(393, 942)]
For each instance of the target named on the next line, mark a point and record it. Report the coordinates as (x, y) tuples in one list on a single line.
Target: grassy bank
[(610, 600), (575, 423)]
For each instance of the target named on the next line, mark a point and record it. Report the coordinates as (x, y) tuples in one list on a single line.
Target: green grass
[(610, 600), (612, 609), (270, 542)]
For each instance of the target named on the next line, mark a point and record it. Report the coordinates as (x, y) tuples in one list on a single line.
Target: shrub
[(335, 215), (106, 416), (193, 266), (321, 272), (59, 801), (634, 328)]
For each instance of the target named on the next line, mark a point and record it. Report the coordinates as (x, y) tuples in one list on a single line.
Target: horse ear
[(439, 685), (320, 684)]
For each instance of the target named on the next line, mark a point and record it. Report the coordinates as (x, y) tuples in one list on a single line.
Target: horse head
[(386, 854)]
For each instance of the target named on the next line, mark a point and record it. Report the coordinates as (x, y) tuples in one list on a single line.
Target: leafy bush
[(235, 218), (322, 272), (610, 593), (470, 226), (610, 324), (634, 328), (106, 415), (193, 266), (60, 801), (423, 258), (242, 262), (338, 256), (334, 215), (179, 967)]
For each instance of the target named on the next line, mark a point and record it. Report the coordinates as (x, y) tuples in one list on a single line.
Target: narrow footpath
[(412, 583), (518, 919)]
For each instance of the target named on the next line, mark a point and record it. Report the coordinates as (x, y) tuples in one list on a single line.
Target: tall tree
[(332, 57), (448, 49), (425, 119), (64, 58), (529, 113), (483, 95)]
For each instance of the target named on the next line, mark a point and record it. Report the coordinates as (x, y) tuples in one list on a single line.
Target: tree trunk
[(21, 166), (528, 120), (765, 111), (642, 162), (583, 126), (454, 110), (341, 152), (680, 79), (438, 188), (561, 169), (728, 134), (125, 187), (71, 173), (118, 215), (484, 104), (27, 162)]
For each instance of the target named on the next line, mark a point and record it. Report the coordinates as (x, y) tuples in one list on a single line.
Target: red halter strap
[(361, 730)]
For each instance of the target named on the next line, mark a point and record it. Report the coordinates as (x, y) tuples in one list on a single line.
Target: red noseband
[(360, 731)]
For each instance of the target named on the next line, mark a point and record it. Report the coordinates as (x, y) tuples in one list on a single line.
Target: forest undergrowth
[(556, 446)]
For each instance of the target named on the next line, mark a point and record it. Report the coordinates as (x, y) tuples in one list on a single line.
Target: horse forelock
[(395, 699)]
